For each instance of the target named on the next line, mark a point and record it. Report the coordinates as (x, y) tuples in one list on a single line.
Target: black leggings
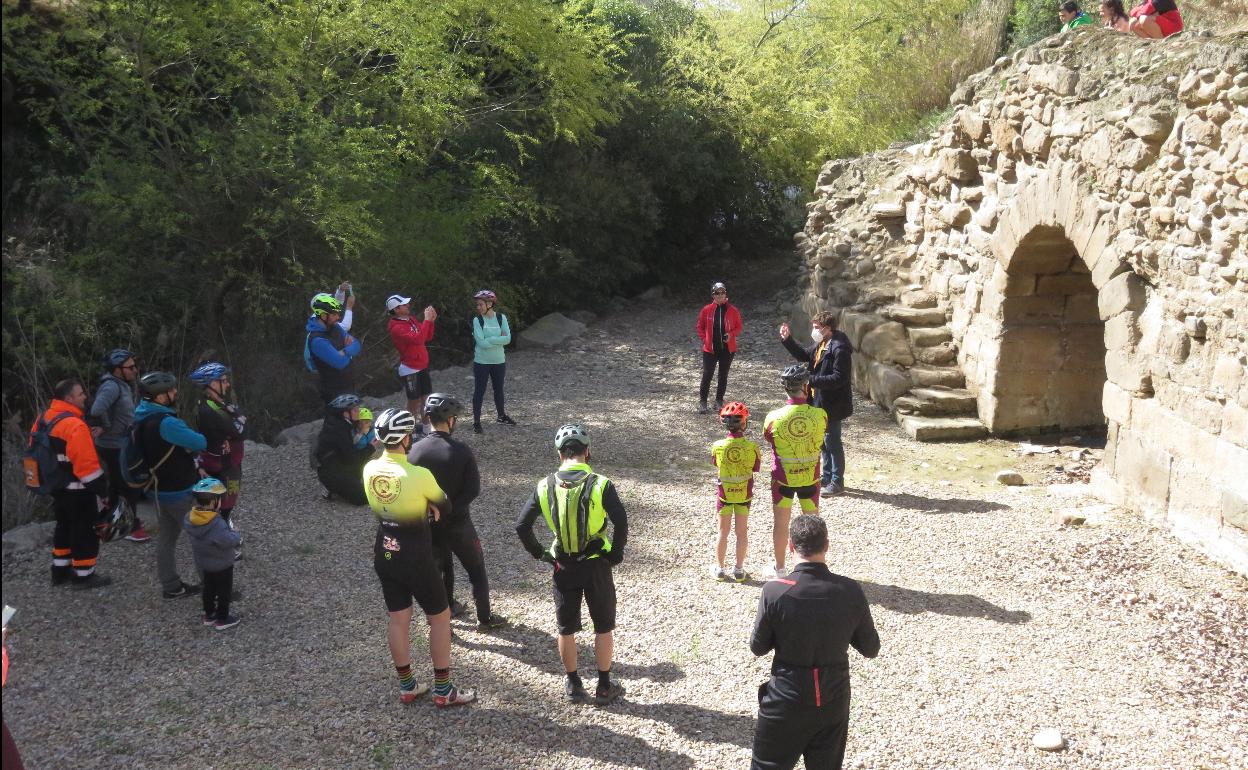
[(460, 539), (483, 374), (217, 589), (724, 359)]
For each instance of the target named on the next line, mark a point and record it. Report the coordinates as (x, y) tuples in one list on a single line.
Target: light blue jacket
[(490, 335)]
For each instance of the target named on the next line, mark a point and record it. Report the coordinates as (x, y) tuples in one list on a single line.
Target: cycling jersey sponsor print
[(385, 488), (736, 455), (390, 545), (799, 426)]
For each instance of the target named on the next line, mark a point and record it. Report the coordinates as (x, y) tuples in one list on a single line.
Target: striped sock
[(407, 680), (441, 681)]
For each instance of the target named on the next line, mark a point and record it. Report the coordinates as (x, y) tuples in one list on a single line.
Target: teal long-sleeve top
[(491, 333)]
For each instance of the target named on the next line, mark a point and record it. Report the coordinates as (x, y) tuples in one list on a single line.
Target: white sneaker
[(776, 571), (717, 572)]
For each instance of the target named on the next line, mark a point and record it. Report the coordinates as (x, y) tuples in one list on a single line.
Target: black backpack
[(480, 319), (135, 470), (43, 471)]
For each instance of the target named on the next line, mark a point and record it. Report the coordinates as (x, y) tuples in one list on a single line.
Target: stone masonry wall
[(1070, 249)]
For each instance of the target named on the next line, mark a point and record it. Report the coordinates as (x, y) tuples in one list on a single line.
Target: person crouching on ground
[(213, 544), (407, 500), (810, 620), (736, 460), (576, 503), (341, 450)]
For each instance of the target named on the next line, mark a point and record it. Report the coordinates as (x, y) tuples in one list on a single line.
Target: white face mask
[(816, 334)]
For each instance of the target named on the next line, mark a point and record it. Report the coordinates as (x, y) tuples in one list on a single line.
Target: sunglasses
[(719, 294)]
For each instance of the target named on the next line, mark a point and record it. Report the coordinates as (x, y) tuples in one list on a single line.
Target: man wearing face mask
[(829, 357), (719, 323)]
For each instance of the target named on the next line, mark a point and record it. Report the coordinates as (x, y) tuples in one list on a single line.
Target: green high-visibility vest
[(574, 511)]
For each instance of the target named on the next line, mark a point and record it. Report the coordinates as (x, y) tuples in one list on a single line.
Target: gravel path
[(995, 622)]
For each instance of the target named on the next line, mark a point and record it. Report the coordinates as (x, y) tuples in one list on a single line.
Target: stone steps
[(937, 376), (937, 402), (942, 428), (929, 336), (913, 316)]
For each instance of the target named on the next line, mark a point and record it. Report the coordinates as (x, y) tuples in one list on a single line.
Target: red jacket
[(410, 336), (76, 448), (706, 326)]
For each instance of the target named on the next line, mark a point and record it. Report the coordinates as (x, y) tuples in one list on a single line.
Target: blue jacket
[(324, 350), (212, 540), (177, 475)]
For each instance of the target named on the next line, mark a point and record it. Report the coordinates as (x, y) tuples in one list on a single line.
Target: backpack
[(40, 465), (480, 319), (135, 470)]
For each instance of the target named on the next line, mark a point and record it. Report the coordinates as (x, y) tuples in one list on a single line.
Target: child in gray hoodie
[(213, 541)]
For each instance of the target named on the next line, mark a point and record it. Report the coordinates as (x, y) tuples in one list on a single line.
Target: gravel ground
[(995, 622)]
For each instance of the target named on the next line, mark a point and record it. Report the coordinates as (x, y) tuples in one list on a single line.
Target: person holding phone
[(410, 337)]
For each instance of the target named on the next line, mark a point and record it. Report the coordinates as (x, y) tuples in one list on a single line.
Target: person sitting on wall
[(1114, 16), (1156, 19)]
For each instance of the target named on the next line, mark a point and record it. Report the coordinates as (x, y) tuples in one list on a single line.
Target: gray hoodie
[(113, 410), (212, 540)]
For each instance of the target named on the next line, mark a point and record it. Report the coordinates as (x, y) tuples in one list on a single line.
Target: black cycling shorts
[(416, 385), (403, 559), (591, 579), (781, 492)]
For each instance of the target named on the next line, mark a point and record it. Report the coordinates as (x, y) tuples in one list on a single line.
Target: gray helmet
[(155, 383), (440, 407), (571, 432), (345, 401), (394, 425), (794, 377)]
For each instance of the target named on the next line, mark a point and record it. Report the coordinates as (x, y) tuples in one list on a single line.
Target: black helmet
[(155, 383), (794, 377), (345, 401), (116, 357), (440, 407)]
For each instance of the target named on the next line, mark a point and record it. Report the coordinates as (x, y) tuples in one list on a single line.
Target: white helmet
[(571, 432), (393, 425)]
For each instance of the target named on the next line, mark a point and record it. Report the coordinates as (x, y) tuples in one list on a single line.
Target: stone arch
[(1050, 314)]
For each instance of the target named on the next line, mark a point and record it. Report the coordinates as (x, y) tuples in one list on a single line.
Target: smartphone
[(8, 614)]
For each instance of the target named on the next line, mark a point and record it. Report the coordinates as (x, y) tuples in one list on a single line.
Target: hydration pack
[(135, 469), (41, 466)]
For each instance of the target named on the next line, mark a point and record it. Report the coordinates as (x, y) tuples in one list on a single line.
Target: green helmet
[(325, 303)]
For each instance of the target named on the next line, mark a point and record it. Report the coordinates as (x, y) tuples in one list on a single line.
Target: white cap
[(394, 300)]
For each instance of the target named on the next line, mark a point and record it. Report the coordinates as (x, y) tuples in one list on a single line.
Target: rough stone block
[(855, 325), (916, 316), (887, 343), (1053, 77), (926, 337), (1128, 372), (1106, 266), (1032, 311), (886, 383), (1144, 470), (1065, 284), (552, 330), (943, 354), (1085, 347), (944, 376), (1122, 332), (1029, 348), (1123, 292), (958, 164), (1190, 502), (1235, 509), (1235, 424), (1082, 309), (1116, 404)]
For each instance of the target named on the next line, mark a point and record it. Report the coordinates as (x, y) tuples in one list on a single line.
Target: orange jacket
[(73, 442)]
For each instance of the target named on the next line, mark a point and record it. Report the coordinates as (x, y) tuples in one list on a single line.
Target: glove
[(614, 557)]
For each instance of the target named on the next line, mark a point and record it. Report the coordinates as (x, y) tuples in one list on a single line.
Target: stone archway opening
[(1050, 370)]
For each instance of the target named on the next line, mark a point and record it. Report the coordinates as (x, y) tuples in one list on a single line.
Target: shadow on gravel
[(927, 504), (536, 648), (910, 602), (590, 741), (696, 723)]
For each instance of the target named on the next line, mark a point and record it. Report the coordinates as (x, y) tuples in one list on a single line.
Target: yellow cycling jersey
[(795, 432), (736, 458), (400, 492)]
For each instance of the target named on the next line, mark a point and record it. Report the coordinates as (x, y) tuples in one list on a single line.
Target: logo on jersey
[(385, 488), (798, 426), (735, 455)]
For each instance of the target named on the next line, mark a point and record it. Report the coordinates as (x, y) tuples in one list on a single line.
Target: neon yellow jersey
[(737, 458), (400, 492), (795, 433)]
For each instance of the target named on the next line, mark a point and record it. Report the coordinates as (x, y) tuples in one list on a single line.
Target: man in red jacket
[(719, 323), (75, 544), (410, 337)]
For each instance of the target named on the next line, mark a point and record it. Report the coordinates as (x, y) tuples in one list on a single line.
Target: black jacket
[(336, 444), (454, 468), (831, 375), (811, 619)]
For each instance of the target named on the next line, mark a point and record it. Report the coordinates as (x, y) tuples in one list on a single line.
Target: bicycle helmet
[(734, 415), (365, 413), (719, 286), (569, 433), (116, 522), (440, 407), (155, 383), (206, 374), (345, 401), (116, 357), (394, 425), (208, 486), (794, 377), (325, 303), (486, 295)]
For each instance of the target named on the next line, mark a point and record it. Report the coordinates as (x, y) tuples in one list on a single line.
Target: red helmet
[(734, 414)]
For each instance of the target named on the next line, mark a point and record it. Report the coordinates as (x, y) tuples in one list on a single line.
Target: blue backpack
[(135, 469), (40, 465)]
